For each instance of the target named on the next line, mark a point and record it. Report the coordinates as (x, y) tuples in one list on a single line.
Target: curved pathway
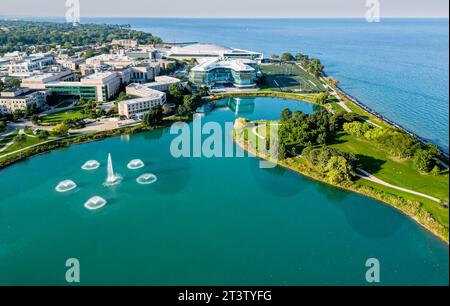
[(368, 176)]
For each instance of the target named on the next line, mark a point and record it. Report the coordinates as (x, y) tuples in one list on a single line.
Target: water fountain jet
[(135, 164), (95, 203), (147, 179), (65, 186), (91, 165), (112, 178)]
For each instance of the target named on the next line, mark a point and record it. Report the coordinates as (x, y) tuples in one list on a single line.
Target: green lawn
[(29, 141), (64, 104), (7, 139), (393, 171), (55, 118), (439, 212), (336, 107), (287, 77)]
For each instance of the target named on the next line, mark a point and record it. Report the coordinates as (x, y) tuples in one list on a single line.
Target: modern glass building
[(86, 92), (240, 74)]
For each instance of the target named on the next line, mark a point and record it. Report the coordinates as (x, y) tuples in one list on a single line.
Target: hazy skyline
[(228, 8)]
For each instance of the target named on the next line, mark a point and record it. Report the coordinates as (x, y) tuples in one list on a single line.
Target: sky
[(226, 8)]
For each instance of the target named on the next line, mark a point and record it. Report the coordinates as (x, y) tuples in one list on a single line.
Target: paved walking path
[(368, 176), (21, 132)]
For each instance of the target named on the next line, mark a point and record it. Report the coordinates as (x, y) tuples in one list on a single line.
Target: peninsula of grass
[(431, 215)]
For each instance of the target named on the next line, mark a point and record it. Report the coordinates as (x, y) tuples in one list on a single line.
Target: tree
[(434, 150), (275, 57), (122, 96), (11, 83), (287, 57), (17, 114), (357, 128), (20, 138), (166, 109), (286, 114), (321, 98), (423, 161), (43, 134), (339, 170), (35, 119), (435, 171), (175, 93), (31, 109), (154, 116), (61, 130)]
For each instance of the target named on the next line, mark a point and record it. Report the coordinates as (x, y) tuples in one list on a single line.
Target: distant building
[(129, 43), (72, 63), (113, 60), (39, 81), (162, 83), (142, 73), (31, 63), (11, 101), (145, 99), (101, 87), (201, 51), (239, 73)]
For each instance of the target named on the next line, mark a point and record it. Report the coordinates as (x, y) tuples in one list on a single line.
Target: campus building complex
[(144, 100), (201, 51), (19, 99), (213, 72), (98, 87)]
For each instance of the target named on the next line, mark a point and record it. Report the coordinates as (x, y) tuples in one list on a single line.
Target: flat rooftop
[(235, 65)]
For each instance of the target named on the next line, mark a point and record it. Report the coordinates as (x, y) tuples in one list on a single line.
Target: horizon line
[(239, 17)]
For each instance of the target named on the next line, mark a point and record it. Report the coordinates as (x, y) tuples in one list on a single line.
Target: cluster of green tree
[(186, 99), (172, 67), (321, 98), (19, 35), (398, 144), (299, 130), (154, 117), (313, 65), (61, 129), (90, 108), (336, 165), (425, 160), (9, 83), (2, 124)]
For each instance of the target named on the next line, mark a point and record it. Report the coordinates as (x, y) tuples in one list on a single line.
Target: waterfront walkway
[(368, 176)]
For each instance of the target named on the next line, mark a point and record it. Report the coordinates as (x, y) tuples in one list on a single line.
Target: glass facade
[(223, 75), (87, 92)]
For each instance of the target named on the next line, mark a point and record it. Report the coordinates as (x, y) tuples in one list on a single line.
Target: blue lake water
[(400, 68), (218, 221)]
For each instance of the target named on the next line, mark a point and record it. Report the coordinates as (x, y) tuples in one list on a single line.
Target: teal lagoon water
[(218, 221)]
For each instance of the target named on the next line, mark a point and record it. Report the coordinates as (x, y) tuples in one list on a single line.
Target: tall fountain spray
[(112, 178)]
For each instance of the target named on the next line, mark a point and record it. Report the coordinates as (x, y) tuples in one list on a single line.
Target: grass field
[(7, 139), (55, 118), (290, 78), (393, 171), (29, 141)]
